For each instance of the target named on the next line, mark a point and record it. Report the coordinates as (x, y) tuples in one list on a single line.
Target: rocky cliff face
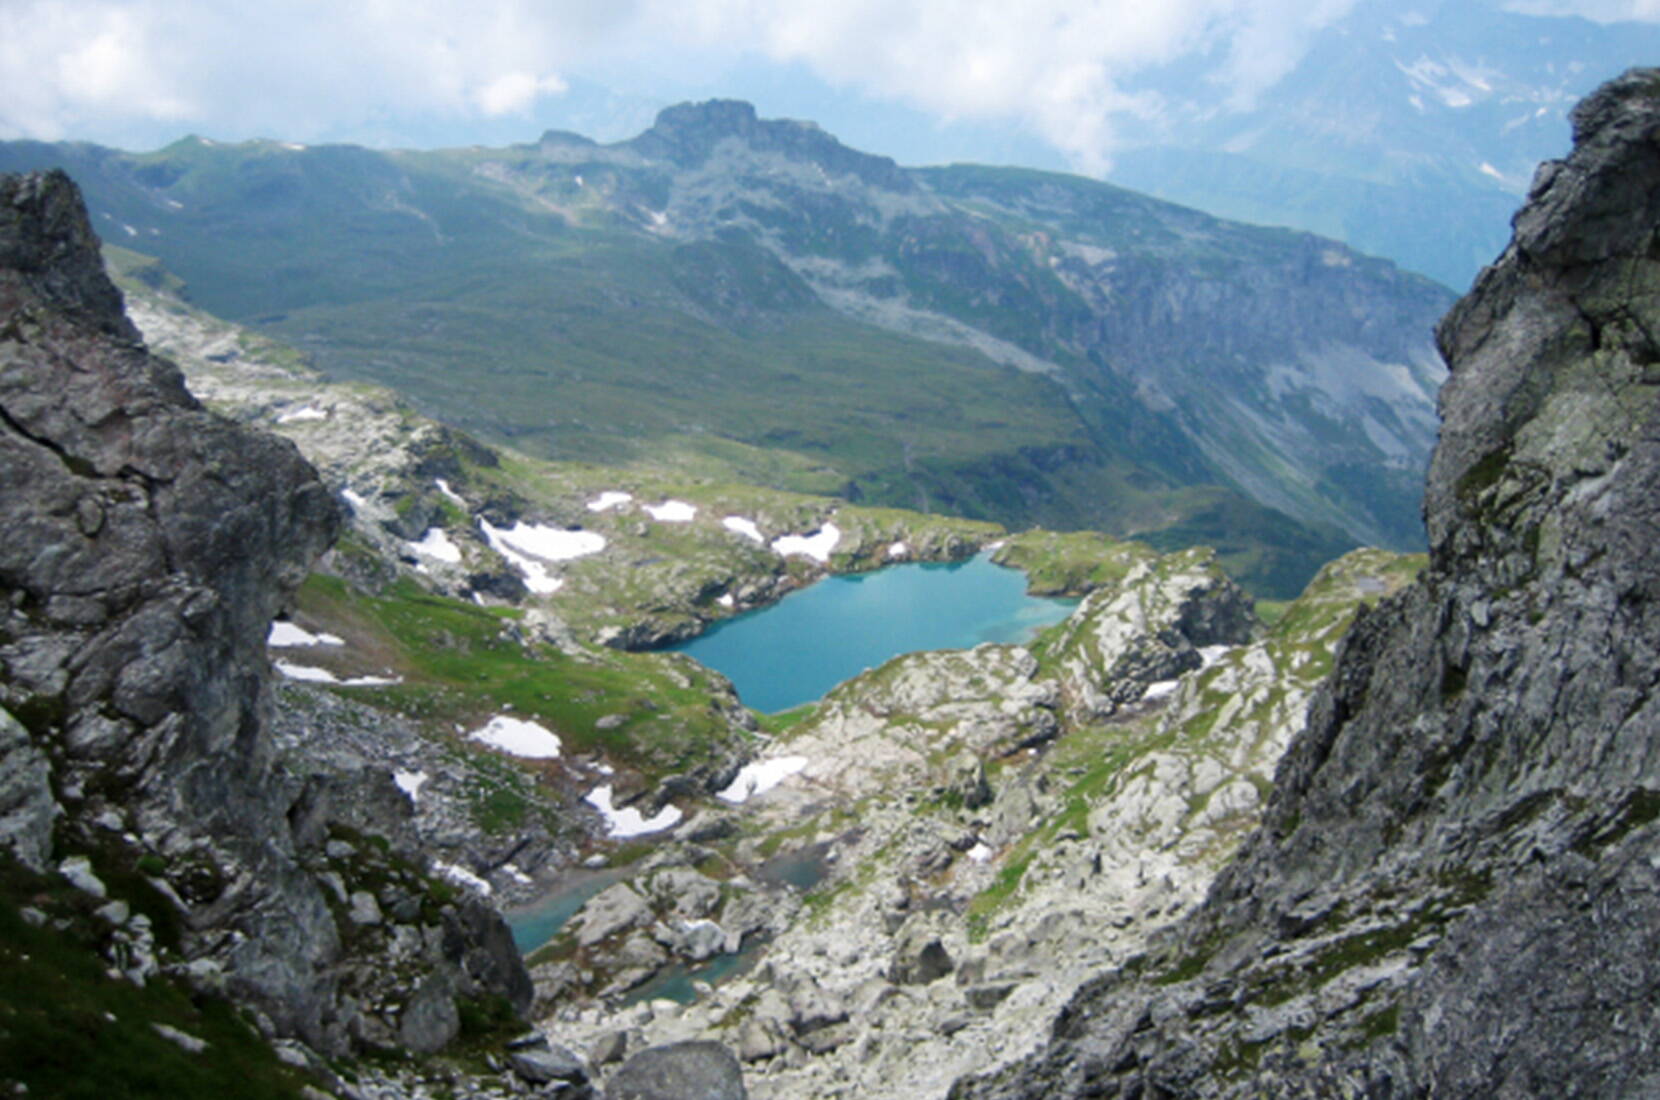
[(1454, 891), (150, 543)]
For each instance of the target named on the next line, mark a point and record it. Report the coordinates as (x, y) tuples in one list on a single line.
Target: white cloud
[(1073, 72), (1600, 11), (515, 92)]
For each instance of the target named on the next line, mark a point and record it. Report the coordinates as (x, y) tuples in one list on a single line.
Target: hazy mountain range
[(1409, 131), (754, 298)]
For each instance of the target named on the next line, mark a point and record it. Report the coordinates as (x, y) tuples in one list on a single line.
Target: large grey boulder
[(699, 1070), (615, 909)]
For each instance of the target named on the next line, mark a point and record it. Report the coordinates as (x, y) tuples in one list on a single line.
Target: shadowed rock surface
[(1454, 890), (149, 545)]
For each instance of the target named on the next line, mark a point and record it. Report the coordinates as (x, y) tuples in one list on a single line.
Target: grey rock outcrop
[(150, 543), (1453, 891), (679, 1071)]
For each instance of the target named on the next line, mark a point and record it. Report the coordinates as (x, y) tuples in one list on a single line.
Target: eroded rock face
[(1454, 890), (149, 544)]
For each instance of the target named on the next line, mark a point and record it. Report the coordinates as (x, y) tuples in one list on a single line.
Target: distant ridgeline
[(751, 299)]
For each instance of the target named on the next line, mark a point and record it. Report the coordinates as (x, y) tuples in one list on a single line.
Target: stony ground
[(988, 827)]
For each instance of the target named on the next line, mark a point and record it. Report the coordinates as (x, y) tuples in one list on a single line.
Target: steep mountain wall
[(1454, 891), (149, 545)]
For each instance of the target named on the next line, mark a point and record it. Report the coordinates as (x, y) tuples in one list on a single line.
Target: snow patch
[(760, 777), (816, 545), (410, 783), (1160, 689), (980, 853), (312, 675), (627, 821), (611, 498), (308, 412), (287, 635), (444, 487), (518, 737), (727, 600), (547, 543), (672, 511), (461, 877), (353, 499), (437, 545), (898, 550), (1210, 654), (745, 527)]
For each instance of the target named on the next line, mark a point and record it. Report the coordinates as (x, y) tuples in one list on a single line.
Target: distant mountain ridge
[(1409, 131), (753, 296)]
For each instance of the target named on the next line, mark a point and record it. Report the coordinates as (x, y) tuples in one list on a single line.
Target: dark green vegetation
[(69, 1030), (757, 302)]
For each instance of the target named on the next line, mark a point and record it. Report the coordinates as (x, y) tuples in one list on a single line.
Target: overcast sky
[(1039, 81)]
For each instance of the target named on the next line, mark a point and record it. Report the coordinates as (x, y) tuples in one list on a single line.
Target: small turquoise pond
[(799, 648)]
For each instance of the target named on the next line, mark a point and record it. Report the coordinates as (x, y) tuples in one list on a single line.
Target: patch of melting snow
[(547, 543), (898, 550), (627, 821), (353, 499), (611, 498), (727, 600), (525, 539), (324, 676), (307, 412), (444, 487), (980, 853), (286, 635), (816, 545), (437, 545), (410, 783), (672, 511), (1210, 654), (518, 737), (745, 527), (1159, 689), (461, 877), (759, 777), (517, 875)]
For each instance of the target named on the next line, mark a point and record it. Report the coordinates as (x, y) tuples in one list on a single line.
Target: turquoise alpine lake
[(799, 648)]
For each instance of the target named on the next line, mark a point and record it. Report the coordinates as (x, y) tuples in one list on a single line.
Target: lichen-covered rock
[(1453, 891), (149, 545)]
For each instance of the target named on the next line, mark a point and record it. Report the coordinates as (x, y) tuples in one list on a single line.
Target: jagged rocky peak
[(1453, 892), (47, 241), (149, 543), (687, 133)]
